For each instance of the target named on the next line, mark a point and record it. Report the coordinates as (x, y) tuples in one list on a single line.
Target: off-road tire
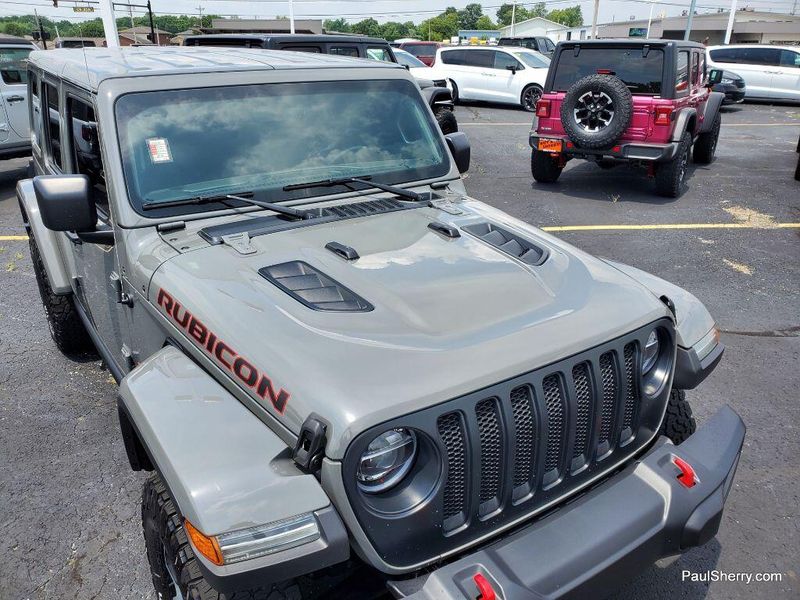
[(706, 145), (446, 119), (622, 101), (670, 176), (66, 327), (530, 96), (678, 423), (454, 91), (165, 536), (544, 167)]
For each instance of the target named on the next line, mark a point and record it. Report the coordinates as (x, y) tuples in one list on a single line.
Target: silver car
[(15, 137)]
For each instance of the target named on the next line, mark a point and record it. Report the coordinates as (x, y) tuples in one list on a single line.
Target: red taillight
[(605, 72), (543, 108), (663, 115)]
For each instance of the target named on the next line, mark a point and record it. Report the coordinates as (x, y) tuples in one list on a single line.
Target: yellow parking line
[(13, 238), (671, 226)]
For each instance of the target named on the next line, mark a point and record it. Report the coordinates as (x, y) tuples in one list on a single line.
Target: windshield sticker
[(159, 150)]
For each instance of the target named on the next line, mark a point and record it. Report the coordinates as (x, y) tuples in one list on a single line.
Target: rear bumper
[(621, 151), (588, 548)]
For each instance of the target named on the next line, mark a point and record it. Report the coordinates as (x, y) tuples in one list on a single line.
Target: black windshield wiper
[(283, 210), (367, 180)]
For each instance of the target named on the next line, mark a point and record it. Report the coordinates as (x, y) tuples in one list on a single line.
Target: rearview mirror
[(458, 143), (65, 202), (714, 76)]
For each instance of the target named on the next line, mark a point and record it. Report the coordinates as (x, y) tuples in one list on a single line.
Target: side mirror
[(458, 143), (714, 76), (512, 68), (65, 202)]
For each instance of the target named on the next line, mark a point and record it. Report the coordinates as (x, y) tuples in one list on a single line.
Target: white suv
[(509, 75), (15, 137), (769, 72)]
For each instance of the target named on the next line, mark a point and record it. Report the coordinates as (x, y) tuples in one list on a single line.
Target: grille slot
[(583, 403), (631, 391), (491, 443), (314, 289), (608, 375), (525, 427), (508, 242), (554, 405), (451, 432)]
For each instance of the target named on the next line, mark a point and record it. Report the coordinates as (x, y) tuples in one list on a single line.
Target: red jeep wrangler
[(611, 101)]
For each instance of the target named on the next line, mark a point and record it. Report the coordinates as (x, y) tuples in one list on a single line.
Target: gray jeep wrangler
[(334, 361)]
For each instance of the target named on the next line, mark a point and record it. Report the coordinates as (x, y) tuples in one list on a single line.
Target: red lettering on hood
[(224, 355)]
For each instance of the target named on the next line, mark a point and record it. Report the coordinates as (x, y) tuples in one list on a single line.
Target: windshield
[(259, 138), (536, 61), (642, 74), (408, 60)]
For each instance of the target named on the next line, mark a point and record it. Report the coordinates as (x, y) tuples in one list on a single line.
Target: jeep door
[(72, 146), (14, 92)]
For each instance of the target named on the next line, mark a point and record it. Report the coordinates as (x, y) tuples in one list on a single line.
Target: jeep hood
[(449, 316)]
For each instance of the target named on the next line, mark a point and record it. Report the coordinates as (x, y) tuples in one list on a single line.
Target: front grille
[(739, 83), (518, 447)]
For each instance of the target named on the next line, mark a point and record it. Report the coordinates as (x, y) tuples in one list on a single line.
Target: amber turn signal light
[(205, 545)]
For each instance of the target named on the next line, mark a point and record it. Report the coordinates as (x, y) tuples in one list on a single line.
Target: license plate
[(546, 145)]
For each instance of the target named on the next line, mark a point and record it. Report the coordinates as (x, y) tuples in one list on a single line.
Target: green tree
[(468, 17), (539, 10), (571, 17), (485, 23), (16, 29), (505, 11), (336, 25), (441, 27), (368, 27)]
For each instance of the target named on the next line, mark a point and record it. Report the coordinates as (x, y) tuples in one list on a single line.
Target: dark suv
[(438, 95), (647, 102), (541, 44)]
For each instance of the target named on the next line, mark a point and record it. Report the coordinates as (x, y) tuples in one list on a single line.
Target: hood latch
[(310, 448), (240, 242)]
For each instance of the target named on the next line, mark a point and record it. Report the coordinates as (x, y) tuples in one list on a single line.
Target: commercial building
[(263, 26), (537, 26)]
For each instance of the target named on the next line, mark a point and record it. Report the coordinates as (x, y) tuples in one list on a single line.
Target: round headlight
[(651, 352), (386, 460)]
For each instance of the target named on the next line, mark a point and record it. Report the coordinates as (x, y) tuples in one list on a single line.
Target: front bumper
[(588, 548), (621, 151)]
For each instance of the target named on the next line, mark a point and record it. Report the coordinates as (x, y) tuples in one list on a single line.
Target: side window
[(14, 65), (479, 58), (762, 56), (379, 54), (550, 45), (344, 51), (505, 61), (86, 147), (311, 49), (790, 58), (702, 68), (35, 108), (453, 57), (51, 114), (695, 69), (682, 74)]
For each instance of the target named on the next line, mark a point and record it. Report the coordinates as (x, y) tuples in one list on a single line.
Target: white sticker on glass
[(159, 150)]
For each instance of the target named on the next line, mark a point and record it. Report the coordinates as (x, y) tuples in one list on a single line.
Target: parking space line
[(13, 238), (671, 226)]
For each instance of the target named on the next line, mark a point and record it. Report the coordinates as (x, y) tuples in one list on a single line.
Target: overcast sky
[(383, 10)]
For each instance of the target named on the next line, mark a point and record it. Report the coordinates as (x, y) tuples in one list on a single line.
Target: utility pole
[(41, 30), (594, 19), (794, 8), (689, 21), (200, 16), (513, 16), (291, 16), (154, 39), (109, 23), (650, 18), (133, 29), (731, 19)]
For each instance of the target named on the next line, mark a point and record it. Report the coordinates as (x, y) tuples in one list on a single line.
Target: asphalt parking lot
[(69, 504)]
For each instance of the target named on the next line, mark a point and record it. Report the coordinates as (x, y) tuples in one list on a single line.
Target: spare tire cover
[(596, 111)]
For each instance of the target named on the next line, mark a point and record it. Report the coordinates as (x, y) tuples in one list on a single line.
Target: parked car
[(75, 42), (615, 101), (15, 136), (733, 86), (770, 72), (425, 51), (439, 96), (444, 113), (332, 360), (507, 75), (541, 44)]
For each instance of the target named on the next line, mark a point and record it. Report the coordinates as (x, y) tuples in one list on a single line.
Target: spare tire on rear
[(596, 111)]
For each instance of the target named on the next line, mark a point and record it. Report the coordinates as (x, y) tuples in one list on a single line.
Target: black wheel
[(172, 560), (671, 175), (706, 145), (454, 91), (530, 96), (596, 111), (446, 119), (544, 167), (66, 327), (678, 423)]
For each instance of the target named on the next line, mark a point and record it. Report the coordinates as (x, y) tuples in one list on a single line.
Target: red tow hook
[(687, 476), (484, 588)]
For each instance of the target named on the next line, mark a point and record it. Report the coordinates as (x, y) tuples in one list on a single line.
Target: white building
[(537, 26)]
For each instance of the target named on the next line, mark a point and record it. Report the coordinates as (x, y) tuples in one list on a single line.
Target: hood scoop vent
[(313, 288), (508, 242)]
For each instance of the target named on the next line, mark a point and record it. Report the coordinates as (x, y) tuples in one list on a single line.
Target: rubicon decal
[(223, 354)]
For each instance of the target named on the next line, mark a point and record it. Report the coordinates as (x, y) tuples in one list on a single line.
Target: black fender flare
[(713, 103), (437, 96), (682, 122)]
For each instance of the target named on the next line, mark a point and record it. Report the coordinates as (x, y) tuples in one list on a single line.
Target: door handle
[(12, 99)]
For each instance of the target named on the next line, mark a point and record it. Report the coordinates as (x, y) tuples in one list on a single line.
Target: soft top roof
[(88, 67)]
